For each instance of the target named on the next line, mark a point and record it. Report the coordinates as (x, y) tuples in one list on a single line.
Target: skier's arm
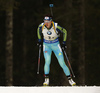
[(61, 29), (39, 32)]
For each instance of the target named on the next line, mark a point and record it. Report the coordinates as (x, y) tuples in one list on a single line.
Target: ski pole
[(51, 5), (68, 62), (39, 59)]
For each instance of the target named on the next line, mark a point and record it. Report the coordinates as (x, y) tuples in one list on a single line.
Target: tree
[(9, 48), (68, 20), (81, 42), (68, 3), (7, 6)]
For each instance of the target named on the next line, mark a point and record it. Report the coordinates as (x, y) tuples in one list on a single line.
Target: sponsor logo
[(45, 51), (46, 18), (60, 54), (49, 32)]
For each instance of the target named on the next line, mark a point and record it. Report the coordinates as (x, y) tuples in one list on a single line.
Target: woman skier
[(51, 31)]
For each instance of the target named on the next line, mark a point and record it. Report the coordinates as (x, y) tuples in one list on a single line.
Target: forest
[(19, 20)]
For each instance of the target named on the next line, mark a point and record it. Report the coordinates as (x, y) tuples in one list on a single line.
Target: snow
[(85, 89)]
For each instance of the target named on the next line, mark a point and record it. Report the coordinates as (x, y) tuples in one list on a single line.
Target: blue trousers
[(56, 48)]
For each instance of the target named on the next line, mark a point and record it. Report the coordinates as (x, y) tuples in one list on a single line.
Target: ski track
[(51, 89)]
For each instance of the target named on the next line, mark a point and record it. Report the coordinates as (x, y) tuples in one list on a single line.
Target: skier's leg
[(47, 55), (59, 54)]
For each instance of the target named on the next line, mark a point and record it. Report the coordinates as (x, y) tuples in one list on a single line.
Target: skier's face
[(47, 23)]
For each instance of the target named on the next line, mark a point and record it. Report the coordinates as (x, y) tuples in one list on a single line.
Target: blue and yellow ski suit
[(51, 43)]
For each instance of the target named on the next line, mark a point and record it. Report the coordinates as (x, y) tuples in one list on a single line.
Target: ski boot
[(71, 82), (46, 82)]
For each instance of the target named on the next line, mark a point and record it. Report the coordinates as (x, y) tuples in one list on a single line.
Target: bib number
[(49, 37)]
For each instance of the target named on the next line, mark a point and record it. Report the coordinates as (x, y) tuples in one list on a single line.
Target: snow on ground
[(85, 89)]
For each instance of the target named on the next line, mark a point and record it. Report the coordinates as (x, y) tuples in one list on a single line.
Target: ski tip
[(51, 5)]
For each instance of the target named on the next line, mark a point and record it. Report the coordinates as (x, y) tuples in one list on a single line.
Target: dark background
[(27, 15)]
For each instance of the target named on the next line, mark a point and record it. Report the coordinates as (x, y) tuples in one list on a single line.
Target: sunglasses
[(46, 21)]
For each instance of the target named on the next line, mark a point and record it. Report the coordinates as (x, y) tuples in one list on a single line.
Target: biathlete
[(50, 31)]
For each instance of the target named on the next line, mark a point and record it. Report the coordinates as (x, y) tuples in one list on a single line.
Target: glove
[(64, 46)]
